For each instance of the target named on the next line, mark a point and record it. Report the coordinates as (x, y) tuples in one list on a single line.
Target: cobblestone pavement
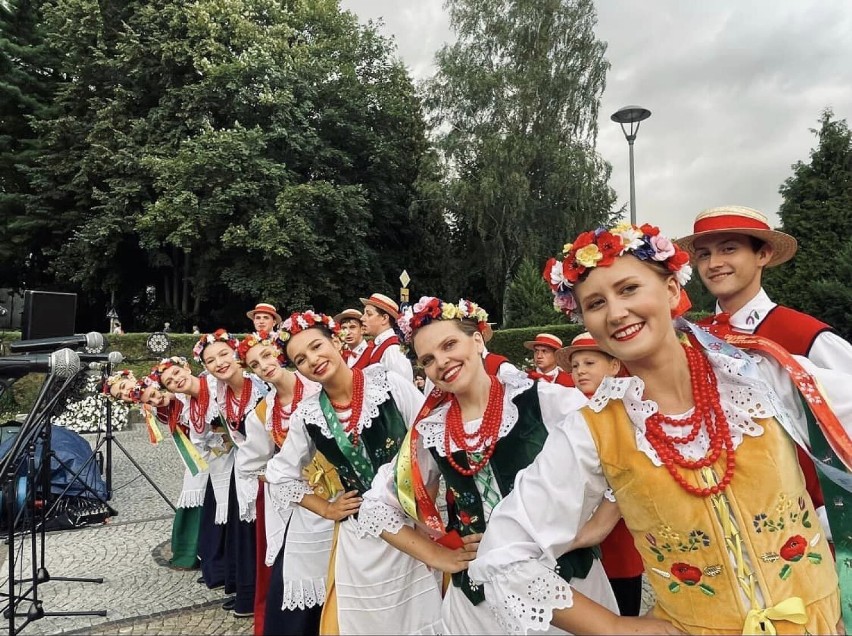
[(130, 552)]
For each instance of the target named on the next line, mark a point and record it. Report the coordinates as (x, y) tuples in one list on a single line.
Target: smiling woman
[(474, 433), (358, 422), (693, 446)]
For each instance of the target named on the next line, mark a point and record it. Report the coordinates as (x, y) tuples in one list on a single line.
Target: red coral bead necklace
[(278, 432), (486, 435), (234, 418), (707, 410), (198, 406), (350, 426)]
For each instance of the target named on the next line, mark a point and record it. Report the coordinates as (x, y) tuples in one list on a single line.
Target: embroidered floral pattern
[(793, 551), (690, 576), (786, 514), (672, 542)]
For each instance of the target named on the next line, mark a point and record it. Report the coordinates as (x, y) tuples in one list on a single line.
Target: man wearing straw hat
[(544, 348), (357, 351), (730, 247), (379, 320), (264, 316)]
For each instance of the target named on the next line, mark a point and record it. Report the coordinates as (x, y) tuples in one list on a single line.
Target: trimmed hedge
[(510, 342)]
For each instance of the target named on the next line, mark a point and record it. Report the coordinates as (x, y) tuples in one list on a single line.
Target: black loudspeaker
[(48, 314)]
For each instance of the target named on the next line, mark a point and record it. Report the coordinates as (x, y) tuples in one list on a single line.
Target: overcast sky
[(734, 88)]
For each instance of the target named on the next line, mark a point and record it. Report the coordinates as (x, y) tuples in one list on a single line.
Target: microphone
[(113, 357), (91, 340), (64, 363)]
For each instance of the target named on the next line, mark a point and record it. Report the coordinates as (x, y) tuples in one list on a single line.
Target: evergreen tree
[(817, 211), (26, 87), (529, 299), (515, 102)]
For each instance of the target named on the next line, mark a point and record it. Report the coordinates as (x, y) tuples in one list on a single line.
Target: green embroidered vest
[(514, 452), (381, 440)]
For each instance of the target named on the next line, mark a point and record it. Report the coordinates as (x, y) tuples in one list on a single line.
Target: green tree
[(835, 294), (529, 299), (817, 208), (515, 103), (203, 155), (26, 87)]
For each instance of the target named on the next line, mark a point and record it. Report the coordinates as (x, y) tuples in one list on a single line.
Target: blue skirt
[(211, 543), (240, 547)]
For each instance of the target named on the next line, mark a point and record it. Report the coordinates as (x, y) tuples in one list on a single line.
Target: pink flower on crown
[(663, 247)]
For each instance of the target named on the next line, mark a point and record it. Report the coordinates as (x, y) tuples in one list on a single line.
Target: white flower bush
[(85, 409)]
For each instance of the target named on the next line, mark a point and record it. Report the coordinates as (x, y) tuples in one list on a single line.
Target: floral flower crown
[(220, 335), (166, 363), (269, 338), (300, 321), (429, 308), (600, 248), (118, 376), (152, 380)]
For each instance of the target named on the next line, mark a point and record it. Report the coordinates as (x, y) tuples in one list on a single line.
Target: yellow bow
[(759, 621), (322, 477)]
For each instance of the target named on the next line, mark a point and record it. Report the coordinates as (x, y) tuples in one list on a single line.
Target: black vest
[(381, 440), (514, 452)]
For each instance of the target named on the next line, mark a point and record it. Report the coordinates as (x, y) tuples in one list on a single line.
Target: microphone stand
[(36, 430)]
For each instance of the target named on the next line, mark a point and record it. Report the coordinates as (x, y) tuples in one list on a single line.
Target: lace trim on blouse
[(377, 390), (432, 427), (743, 399)]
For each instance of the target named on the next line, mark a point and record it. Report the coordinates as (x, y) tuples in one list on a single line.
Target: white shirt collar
[(357, 351), (751, 314), (550, 374), (387, 333)]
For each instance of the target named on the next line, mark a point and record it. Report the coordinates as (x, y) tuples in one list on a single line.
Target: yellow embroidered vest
[(682, 539)]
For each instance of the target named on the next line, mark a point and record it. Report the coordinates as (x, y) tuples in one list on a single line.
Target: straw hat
[(544, 340), (735, 219), (264, 308), (380, 301), (583, 342), (347, 314)]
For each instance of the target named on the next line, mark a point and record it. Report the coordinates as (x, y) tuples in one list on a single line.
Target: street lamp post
[(632, 115)]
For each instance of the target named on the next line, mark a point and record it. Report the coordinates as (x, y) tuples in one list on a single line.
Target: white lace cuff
[(524, 597), (303, 594), (375, 516), (285, 494)]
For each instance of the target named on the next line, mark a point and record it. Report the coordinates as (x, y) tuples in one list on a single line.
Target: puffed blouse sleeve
[(381, 509), (284, 475), (535, 524)]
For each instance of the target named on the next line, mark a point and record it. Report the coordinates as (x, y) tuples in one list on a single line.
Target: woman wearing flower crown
[(475, 433), (200, 416), (120, 386), (294, 591), (358, 422), (166, 408), (695, 449), (237, 393)]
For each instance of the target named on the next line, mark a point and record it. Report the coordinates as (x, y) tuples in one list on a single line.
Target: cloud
[(734, 88)]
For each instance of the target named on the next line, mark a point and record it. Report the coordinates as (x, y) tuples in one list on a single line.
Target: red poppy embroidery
[(794, 548), (686, 573)]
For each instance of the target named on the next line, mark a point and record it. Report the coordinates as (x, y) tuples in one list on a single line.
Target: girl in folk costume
[(622, 563), (200, 415), (120, 386), (358, 422), (236, 394), (696, 447), (476, 432), (165, 407), (296, 592)]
